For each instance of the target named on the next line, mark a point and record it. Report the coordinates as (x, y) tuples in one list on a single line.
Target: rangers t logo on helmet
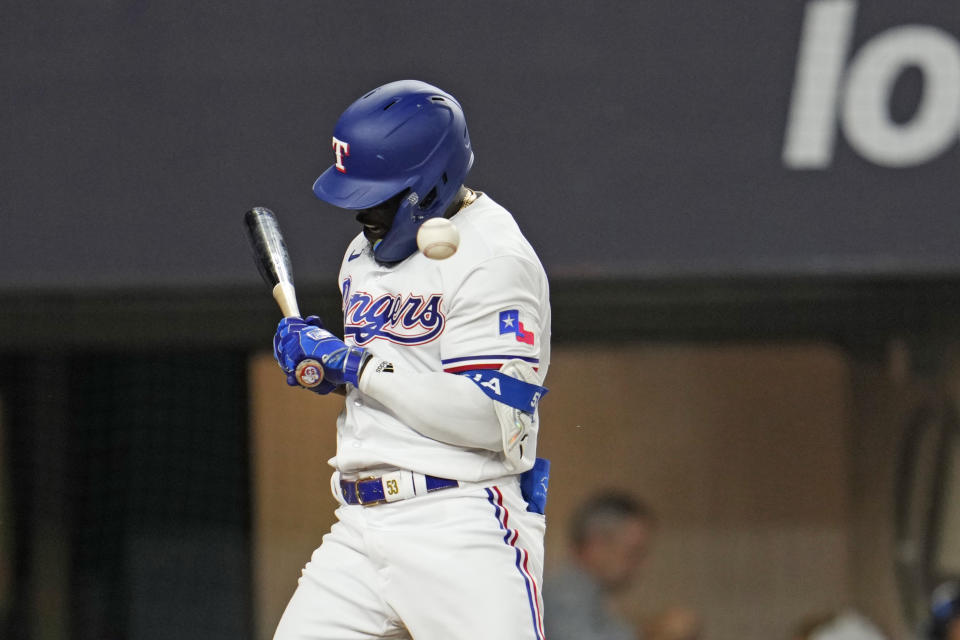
[(342, 149)]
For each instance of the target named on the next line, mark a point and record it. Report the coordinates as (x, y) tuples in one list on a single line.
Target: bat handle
[(309, 372), (286, 297)]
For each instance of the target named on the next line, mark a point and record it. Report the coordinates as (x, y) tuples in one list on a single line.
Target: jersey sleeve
[(495, 316)]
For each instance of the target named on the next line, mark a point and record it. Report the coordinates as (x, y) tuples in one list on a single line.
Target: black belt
[(370, 491)]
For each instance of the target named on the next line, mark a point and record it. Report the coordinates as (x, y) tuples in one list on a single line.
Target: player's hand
[(296, 340), (325, 385)]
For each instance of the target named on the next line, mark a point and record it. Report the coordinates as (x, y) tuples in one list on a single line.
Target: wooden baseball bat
[(273, 262)]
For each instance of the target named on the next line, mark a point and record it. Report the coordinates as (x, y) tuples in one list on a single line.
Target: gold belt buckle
[(356, 491)]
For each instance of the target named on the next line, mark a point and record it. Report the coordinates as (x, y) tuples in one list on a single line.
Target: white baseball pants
[(461, 563)]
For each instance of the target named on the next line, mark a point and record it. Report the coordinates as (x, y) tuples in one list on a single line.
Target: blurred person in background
[(610, 538), (944, 622), (843, 625), (673, 623)]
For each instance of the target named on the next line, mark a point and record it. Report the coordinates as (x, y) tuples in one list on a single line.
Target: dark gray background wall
[(631, 139), (688, 171)]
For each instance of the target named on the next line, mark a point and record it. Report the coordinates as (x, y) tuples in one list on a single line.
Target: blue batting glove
[(296, 340), (283, 329), (325, 386), (315, 321)]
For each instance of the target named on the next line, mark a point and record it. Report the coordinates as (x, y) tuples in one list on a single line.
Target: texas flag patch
[(510, 323)]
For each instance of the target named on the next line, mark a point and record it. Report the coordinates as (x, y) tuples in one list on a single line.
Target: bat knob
[(309, 373)]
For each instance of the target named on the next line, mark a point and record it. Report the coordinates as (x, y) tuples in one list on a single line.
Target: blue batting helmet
[(405, 135)]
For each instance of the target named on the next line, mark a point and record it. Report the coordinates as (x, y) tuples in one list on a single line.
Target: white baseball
[(438, 238)]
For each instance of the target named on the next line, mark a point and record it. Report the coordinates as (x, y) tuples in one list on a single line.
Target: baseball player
[(440, 524)]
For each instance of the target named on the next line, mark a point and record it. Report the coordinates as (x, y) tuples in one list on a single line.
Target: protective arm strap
[(507, 389), (443, 406)]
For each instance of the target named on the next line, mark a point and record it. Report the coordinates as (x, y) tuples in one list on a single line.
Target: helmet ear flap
[(401, 240), (428, 200), (444, 191), (399, 243)]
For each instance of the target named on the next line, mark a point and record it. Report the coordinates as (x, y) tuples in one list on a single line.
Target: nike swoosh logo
[(354, 256)]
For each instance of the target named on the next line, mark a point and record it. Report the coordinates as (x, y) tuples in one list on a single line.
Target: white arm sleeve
[(443, 406)]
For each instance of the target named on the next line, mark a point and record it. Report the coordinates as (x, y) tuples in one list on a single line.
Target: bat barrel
[(270, 251)]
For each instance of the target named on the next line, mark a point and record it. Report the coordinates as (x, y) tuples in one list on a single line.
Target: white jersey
[(485, 305)]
